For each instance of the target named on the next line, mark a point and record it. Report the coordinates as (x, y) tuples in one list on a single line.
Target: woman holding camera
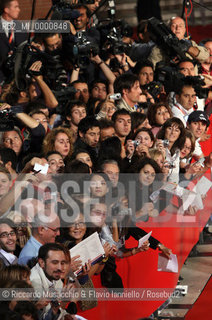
[(138, 148), (170, 140)]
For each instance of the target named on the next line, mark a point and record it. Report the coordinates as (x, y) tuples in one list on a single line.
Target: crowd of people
[(90, 135)]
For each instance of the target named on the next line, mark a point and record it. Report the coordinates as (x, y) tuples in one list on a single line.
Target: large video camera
[(83, 49), (167, 40), (173, 80), (115, 45), (63, 10), (112, 35)]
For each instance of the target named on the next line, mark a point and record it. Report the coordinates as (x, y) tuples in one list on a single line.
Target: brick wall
[(41, 8)]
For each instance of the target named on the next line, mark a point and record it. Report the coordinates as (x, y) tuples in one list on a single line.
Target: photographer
[(144, 46), (37, 127), (145, 72), (100, 67), (81, 23), (187, 68), (194, 51)]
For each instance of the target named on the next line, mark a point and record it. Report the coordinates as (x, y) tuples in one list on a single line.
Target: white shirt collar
[(185, 111), (9, 256), (5, 25)]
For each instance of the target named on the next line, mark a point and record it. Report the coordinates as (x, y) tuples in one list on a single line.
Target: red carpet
[(202, 309)]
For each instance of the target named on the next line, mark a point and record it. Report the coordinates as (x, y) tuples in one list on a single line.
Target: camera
[(63, 10), (115, 96), (165, 143), (114, 45), (165, 38), (136, 143), (168, 76), (201, 161), (154, 88), (83, 49), (111, 36)]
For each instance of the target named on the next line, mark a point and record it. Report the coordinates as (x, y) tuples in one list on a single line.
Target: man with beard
[(7, 242), (47, 273)]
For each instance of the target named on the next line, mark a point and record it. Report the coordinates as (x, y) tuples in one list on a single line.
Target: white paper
[(169, 187), (88, 249), (203, 186), (143, 239), (194, 197), (168, 265), (173, 188), (42, 169)]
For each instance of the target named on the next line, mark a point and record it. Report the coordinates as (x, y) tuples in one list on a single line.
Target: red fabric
[(207, 145), (202, 308)]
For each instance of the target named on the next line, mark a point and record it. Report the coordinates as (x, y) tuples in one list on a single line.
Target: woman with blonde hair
[(59, 139)]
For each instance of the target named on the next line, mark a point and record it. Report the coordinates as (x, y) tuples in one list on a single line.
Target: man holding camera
[(128, 85), (177, 26)]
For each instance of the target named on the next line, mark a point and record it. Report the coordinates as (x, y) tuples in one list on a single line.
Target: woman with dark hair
[(83, 156), (147, 170), (138, 121), (99, 185), (170, 140), (139, 146), (77, 166), (187, 168), (158, 114)]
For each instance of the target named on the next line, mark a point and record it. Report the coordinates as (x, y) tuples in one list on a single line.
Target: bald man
[(178, 27)]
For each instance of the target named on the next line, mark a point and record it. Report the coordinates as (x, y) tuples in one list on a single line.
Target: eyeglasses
[(54, 230), (5, 235), (187, 148), (77, 224)]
